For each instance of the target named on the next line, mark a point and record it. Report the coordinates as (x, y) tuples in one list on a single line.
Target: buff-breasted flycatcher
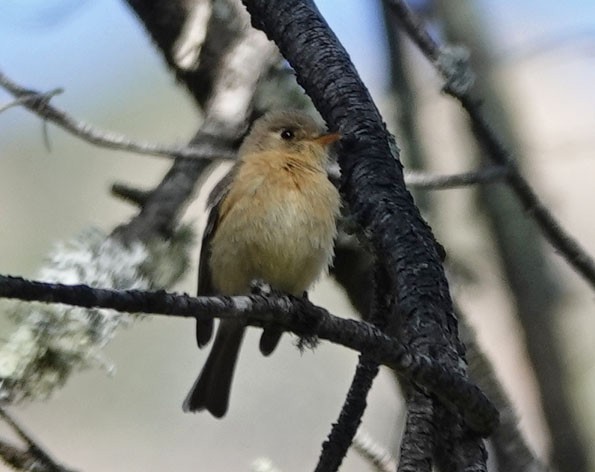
[(273, 219)]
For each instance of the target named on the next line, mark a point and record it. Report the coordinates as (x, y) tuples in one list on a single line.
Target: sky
[(78, 44)]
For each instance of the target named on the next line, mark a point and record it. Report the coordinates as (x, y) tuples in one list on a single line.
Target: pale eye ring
[(287, 134)]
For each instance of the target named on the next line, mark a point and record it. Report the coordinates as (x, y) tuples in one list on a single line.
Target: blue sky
[(65, 42)]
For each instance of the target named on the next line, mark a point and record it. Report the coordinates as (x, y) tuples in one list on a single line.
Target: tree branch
[(38, 103), (233, 79), (372, 179), (34, 458), (293, 314), (334, 449), (344, 430), (373, 452), (150, 242), (418, 442), (427, 181), (208, 147), (455, 70), (511, 450), (24, 98)]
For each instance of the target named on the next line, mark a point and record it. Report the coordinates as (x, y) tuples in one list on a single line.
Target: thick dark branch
[(563, 242), (417, 444), (293, 314), (372, 179), (456, 448)]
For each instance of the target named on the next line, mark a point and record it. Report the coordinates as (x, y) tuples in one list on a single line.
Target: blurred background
[(536, 67)]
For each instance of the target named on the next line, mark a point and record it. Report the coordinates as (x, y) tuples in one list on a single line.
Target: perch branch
[(290, 313)]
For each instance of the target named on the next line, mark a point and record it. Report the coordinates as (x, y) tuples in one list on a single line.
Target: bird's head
[(290, 132)]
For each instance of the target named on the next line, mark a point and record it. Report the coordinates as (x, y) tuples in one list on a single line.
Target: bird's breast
[(279, 228)]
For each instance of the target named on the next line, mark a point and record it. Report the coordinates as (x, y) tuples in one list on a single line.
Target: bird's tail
[(211, 389)]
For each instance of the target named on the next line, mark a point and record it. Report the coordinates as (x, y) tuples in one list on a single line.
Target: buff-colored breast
[(277, 224)]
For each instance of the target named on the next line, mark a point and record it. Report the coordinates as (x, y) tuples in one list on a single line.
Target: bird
[(273, 219)]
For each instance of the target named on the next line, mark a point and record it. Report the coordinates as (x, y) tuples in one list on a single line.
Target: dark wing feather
[(204, 328)]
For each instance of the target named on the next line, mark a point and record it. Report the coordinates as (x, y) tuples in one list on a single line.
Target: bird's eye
[(287, 134)]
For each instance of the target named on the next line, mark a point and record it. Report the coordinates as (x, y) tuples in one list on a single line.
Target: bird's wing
[(204, 328), (216, 197), (205, 284)]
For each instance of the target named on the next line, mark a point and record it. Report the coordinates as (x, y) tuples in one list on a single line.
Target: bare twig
[(20, 101), (405, 112), (427, 181), (373, 452), (455, 71), (131, 194), (34, 458), (38, 103), (293, 314)]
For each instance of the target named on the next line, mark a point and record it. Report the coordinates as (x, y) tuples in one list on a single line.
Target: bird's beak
[(326, 139)]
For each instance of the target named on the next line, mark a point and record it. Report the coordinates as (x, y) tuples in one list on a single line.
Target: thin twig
[(34, 458), (427, 181), (564, 243), (130, 194), (20, 101), (373, 452), (344, 430), (38, 103)]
